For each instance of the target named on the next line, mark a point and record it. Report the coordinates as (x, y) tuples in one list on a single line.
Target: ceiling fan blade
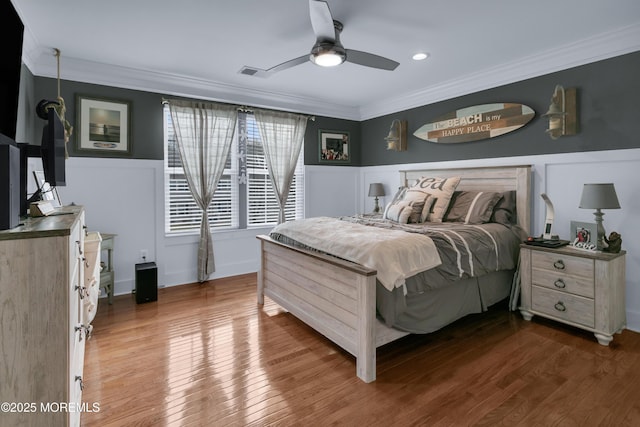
[(321, 21), (371, 60), (288, 64)]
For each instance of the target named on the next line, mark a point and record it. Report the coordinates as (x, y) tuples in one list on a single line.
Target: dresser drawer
[(562, 305), (563, 282), (565, 264)]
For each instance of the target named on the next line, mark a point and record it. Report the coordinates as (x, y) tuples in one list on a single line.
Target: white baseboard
[(633, 320)]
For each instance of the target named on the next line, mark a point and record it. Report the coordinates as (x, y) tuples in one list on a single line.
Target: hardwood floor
[(209, 355)]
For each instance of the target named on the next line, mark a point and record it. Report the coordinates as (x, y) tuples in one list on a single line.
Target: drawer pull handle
[(81, 291), (79, 329), (560, 306), (79, 378), (88, 330), (560, 284), (559, 264)]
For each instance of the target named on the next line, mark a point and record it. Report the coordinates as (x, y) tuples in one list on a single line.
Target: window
[(245, 179), (262, 204)]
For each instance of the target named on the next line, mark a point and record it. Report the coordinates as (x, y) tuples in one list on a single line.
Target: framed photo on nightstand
[(584, 235)]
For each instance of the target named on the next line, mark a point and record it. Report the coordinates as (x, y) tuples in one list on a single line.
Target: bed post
[(366, 357), (260, 289), (523, 197)]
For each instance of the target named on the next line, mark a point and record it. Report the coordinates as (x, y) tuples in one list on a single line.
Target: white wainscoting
[(331, 190), (126, 197)]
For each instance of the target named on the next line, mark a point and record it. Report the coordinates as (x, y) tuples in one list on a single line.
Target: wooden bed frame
[(338, 298)]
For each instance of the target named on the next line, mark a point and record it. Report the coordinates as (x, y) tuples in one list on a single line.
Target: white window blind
[(182, 215)]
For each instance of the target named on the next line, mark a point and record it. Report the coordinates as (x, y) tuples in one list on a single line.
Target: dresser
[(43, 330), (580, 288)]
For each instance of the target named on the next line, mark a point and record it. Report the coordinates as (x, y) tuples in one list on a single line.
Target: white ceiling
[(197, 47)]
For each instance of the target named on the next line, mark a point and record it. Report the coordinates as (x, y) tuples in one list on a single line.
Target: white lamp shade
[(376, 189), (599, 196)]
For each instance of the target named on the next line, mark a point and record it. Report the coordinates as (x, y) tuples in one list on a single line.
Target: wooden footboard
[(336, 298)]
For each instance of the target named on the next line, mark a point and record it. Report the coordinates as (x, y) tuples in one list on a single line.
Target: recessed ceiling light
[(420, 56)]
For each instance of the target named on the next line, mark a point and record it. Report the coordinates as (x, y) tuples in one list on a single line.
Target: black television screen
[(10, 67), (53, 150)]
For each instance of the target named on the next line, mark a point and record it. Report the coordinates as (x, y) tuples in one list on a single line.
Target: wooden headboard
[(498, 178)]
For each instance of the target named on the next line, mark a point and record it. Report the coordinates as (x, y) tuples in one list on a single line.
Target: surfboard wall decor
[(476, 123)]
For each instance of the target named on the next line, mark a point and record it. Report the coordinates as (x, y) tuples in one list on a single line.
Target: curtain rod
[(246, 109)]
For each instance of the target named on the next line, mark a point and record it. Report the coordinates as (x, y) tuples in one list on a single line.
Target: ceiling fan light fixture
[(327, 55), (420, 56)]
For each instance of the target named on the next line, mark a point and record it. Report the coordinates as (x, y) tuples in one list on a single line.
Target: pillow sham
[(399, 194), (472, 207), (441, 189), (421, 203), (396, 198), (398, 211), (504, 212)]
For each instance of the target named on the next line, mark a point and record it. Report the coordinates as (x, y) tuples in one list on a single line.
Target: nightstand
[(580, 288)]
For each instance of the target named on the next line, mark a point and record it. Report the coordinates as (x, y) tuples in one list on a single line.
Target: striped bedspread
[(465, 250)]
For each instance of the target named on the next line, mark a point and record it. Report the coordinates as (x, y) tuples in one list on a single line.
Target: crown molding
[(592, 49), (41, 62)]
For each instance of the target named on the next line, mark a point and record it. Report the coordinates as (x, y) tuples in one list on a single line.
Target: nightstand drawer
[(562, 282), (565, 264), (564, 306)]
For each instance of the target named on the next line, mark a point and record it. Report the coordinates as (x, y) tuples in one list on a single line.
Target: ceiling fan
[(327, 51)]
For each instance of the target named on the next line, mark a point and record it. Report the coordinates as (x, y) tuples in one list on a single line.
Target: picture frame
[(334, 146), (583, 235), (103, 125)]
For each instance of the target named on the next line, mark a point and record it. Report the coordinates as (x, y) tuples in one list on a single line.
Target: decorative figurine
[(614, 241)]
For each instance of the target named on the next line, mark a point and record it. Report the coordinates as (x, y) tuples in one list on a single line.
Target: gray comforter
[(466, 251)]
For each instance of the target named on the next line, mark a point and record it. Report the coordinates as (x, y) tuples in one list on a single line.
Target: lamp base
[(601, 233), (376, 208)]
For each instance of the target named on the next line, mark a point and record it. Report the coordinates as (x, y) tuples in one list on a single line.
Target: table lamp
[(376, 190), (599, 196)]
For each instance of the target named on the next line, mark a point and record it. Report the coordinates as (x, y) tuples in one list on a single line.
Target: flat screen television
[(10, 67), (53, 150)]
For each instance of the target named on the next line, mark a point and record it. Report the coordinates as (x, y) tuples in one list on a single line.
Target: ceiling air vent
[(251, 71)]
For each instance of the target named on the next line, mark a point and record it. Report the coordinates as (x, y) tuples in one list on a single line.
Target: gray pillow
[(504, 212), (472, 207)]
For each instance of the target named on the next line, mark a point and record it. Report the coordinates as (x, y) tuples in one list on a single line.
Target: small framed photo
[(334, 146), (584, 235), (103, 126)]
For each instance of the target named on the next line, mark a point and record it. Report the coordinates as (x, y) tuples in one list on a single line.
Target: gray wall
[(146, 114), (607, 114), (146, 120), (312, 147)]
